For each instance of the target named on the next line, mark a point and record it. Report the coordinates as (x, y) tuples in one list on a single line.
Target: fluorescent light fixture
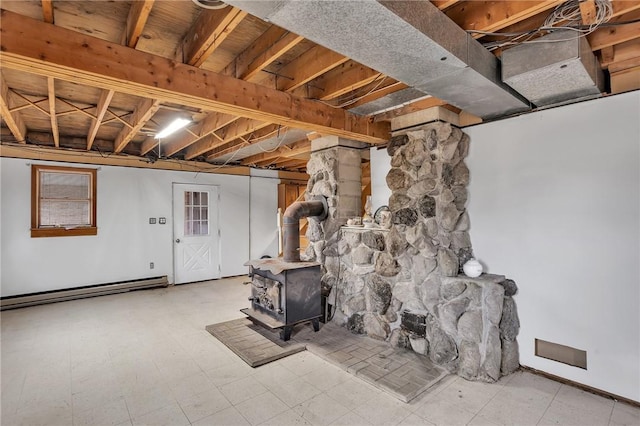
[(175, 125)]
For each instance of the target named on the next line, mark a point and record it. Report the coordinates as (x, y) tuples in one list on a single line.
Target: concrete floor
[(145, 358)]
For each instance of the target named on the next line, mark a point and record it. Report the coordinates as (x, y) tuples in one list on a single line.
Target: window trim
[(37, 231)]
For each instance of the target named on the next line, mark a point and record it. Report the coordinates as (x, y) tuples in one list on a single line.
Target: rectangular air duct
[(410, 41), (556, 68)]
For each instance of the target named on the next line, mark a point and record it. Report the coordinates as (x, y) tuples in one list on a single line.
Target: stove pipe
[(316, 208)]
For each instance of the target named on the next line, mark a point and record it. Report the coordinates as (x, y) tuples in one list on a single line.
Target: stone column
[(334, 172)]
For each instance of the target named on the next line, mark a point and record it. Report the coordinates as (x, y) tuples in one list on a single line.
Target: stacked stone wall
[(380, 276)]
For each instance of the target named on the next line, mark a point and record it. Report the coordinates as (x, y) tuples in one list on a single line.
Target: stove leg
[(316, 324), (285, 333)]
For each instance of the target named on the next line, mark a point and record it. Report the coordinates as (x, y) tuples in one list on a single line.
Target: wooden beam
[(296, 163), (138, 15), (339, 81), (278, 49), (444, 4), (207, 33), (496, 15), (148, 144), (625, 80), (609, 36), (620, 8), (249, 63), (212, 122), (620, 52), (241, 62), (618, 66), (101, 110), (83, 157), (588, 11), (47, 11), (407, 109), (242, 141), (296, 148), (141, 114), (386, 88), (35, 47), (311, 64), (606, 56), (235, 130), (13, 120), (51, 90)]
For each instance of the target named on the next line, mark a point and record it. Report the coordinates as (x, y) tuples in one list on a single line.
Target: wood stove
[(284, 294), (286, 291)]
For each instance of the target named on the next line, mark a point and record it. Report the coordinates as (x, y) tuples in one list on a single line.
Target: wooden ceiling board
[(101, 19), (240, 38), (76, 92), (166, 26), (30, 8), (25, 83)]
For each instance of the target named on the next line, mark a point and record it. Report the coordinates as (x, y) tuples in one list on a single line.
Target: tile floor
[(144, 358)]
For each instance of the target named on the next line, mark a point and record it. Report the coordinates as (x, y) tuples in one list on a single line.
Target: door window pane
[(196, 212)]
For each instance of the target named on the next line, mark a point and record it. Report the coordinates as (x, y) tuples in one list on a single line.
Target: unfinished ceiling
[(257, 79)]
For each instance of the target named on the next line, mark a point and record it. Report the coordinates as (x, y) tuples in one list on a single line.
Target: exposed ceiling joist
[(311, 64), (496, 15), (246, 71), (296, 148), (101, 110), (242, 141), (36, 47), (207, 33), (608, 36), (145, 109), (212, 122), (341, 80), (148, 144), (13, 120), (138, 15), (235, 130), (51, 90), (47, 11)]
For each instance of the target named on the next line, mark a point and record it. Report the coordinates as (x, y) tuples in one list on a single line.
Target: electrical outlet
[(151, 265), (162, 220), (152, 221)]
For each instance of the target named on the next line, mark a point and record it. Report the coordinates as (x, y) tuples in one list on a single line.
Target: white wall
[(264, 207), (380, 166), (554, 202), (126, 242)]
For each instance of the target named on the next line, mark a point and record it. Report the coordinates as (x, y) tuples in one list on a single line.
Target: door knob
[(177, 240)]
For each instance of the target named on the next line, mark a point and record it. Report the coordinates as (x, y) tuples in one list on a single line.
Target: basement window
[(63, 201)]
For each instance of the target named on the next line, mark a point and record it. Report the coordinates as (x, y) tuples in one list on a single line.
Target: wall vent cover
[(561, 353)]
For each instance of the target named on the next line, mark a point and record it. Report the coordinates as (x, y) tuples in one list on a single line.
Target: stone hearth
[(405, 285)]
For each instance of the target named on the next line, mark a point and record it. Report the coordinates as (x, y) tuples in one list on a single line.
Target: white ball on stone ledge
[(472, 268)]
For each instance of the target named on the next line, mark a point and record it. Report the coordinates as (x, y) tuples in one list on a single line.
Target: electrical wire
[(357, 98), (566, 16), (278, 145)]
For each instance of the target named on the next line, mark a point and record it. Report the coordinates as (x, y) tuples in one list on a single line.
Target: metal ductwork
[(563, 69), (291, 223), (410, 41)]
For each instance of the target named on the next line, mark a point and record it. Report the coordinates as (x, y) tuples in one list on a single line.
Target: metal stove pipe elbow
[(291, 223)]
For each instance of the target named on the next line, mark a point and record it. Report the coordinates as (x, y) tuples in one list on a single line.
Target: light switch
[(162, 220), (152, 221)]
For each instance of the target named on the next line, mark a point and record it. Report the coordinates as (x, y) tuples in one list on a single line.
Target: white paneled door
[(196, 242)]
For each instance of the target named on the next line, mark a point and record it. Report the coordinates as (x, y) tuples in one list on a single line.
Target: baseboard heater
[(32, 299)]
